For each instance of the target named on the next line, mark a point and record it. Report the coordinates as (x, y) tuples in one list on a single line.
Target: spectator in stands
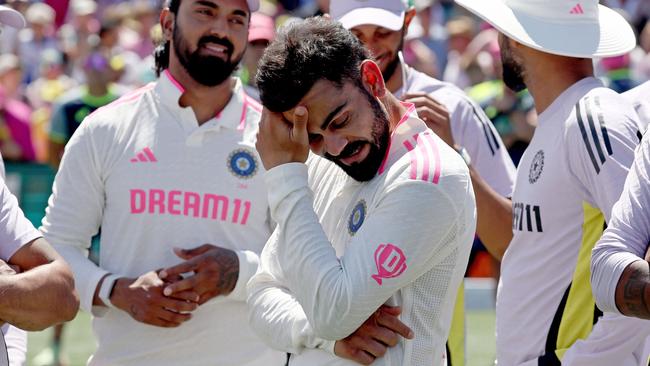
[(34, 40), (79, 35), (260, 33), (15, 115)]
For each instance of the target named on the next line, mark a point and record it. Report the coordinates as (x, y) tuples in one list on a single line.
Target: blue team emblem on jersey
[(357, 217), (242, 163), (536, 167)]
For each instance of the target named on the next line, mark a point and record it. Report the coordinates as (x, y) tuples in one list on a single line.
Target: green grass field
[(78, 341)]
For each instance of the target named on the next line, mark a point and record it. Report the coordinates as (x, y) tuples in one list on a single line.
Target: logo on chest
[(242, 163), (536, 167), (357, 217)]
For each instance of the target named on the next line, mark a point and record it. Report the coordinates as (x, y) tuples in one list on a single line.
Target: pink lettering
[(173, 202), (192, 201), (247, 211), (138, 201), (235, 215), (216, 201), (156, 198)]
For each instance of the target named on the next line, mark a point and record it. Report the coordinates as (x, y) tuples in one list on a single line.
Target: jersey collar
[(232, 116), (403, 136)]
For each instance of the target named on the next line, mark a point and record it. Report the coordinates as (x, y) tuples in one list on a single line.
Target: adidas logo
[(145, 156), (577, 10)]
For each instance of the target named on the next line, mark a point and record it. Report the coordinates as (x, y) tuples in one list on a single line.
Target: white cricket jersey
[(470, 128), (640, 99), (628, 233), (144, 171), (567, 182), (343, 248)]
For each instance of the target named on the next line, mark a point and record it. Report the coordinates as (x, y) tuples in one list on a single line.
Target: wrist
[(119, 291), (106, 289)]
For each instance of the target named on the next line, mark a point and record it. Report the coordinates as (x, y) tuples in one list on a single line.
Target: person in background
[(568, 179), (15, 115), (260, 34), (36, 39)]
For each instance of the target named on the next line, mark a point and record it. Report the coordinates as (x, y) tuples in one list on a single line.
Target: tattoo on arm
[(634, 285), (228, 263)]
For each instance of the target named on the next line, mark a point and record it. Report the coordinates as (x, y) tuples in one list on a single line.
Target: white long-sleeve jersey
[(144, 171), (627, 236), (341, 252)]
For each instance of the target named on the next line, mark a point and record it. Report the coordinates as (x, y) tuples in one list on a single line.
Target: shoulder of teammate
[(600, 138)]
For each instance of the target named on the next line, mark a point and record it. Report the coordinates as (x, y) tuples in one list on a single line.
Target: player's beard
[(392, 65), (205, 70), (513, 72), (366, 169)]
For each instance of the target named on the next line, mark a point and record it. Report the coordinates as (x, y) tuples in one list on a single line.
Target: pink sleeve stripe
[(174, 81), (424, 155), (248, 103), (427, 140), (414, 161)]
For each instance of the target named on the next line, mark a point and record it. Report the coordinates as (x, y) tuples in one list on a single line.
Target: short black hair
[(303, 53)]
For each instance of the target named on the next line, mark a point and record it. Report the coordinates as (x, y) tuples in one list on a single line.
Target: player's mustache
[(348, 151), (216, 40)]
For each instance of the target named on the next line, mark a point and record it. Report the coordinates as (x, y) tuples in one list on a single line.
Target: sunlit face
[(348, 126), (383, 43), (512, 70), (209, 38)]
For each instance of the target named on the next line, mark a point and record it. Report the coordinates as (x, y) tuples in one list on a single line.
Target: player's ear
[(372, 79), (167, 20)]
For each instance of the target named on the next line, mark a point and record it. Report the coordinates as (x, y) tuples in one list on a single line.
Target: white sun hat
[(574, 28), (384, 13), (10, 17)]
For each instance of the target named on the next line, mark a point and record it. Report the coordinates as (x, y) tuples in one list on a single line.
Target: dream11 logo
[(390, 261)]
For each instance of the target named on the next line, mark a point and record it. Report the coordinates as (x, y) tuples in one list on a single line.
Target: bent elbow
[(67, 297)]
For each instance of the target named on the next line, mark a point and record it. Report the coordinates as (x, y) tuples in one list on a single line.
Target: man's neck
[(396, 80), (395, 110), (205, 101), (548, 80), (97, 90)]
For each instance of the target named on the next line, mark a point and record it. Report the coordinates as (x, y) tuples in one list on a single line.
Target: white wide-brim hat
[(11, 17), (581, 28)]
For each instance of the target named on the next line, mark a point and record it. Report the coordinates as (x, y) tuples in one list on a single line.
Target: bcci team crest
[(536, 167), (242, 163), (357, 217)]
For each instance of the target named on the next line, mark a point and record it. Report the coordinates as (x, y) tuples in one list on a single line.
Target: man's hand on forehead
[(283, 138)]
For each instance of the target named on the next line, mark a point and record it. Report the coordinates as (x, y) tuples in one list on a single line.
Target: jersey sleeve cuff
[(606, 280), (248, 263)]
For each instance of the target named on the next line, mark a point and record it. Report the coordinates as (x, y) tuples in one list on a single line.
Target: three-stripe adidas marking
[(577, 9), (425, 157), (145, 156), (490, 136), (588, 112)]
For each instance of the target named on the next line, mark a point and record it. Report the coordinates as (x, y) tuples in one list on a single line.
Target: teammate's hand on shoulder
[(143, 299), (281, 141), (433, 113), (214, 271), (373, 338)]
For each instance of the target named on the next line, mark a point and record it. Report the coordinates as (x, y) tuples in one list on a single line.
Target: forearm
[(633, 290), (39, 298), (494, 216)]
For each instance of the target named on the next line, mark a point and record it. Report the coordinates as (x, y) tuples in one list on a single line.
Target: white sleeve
[(628, 233), (16, 341), (600, 153), (248, 263), (75, 211), (337, 296), (274, 313), (476, 133), (15, 229)]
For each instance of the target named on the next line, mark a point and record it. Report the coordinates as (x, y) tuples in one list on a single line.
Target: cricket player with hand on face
[(381, 214)]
